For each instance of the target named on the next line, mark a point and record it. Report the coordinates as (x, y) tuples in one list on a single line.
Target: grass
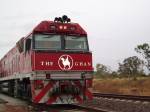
[(141, 86)]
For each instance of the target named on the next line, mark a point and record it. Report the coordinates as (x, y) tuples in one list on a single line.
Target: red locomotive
[(52, 65)]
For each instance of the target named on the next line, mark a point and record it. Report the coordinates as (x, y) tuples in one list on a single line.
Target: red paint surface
[(79, 99), (49, 61), (43, 92), (89, 94), (52, 99)]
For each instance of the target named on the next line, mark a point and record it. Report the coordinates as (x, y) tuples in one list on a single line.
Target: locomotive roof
[(57, 27)]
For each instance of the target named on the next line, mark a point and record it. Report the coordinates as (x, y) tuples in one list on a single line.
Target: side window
[(28, 43)]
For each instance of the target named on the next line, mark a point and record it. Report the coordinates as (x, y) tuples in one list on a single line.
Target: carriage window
[(76, 43), (47, 41)]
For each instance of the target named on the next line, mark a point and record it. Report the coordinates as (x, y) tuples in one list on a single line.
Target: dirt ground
[(123, 86), (12, 108)]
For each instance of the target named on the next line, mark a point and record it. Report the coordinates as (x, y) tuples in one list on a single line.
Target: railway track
[(18, 105), (91, 108), (64, 108), (100, 103), (119, 103), (125, 97)]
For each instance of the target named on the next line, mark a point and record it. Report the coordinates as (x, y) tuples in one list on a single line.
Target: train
[(51, 65)]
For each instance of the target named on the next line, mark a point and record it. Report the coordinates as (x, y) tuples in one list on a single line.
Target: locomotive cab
[(61, 55)]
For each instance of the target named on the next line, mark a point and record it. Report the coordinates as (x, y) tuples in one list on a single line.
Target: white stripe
[(16, 76)]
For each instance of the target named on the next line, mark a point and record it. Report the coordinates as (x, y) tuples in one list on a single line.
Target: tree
[(144, 49), (131, 66), (102, 69)]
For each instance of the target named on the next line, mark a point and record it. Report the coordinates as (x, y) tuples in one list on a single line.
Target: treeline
[(131, 67)]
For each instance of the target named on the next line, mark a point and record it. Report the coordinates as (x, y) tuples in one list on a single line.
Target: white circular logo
[(65, 62)]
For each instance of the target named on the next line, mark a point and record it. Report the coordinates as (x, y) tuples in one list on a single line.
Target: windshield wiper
[(48, 36)]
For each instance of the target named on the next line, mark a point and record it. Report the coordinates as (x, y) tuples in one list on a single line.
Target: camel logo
[(65, 62)]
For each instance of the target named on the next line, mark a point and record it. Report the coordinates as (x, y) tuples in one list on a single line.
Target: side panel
[(61, 61), (15, 64)]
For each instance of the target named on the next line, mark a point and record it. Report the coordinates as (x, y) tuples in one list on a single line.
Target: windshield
[(47, 41), (59, 42), (76, 43)]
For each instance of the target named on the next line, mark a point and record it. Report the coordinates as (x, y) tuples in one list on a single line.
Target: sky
[(114, 27)]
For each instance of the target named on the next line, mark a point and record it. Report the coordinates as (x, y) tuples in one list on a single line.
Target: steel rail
[(90, 108), (127, 97), (70, 107)]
